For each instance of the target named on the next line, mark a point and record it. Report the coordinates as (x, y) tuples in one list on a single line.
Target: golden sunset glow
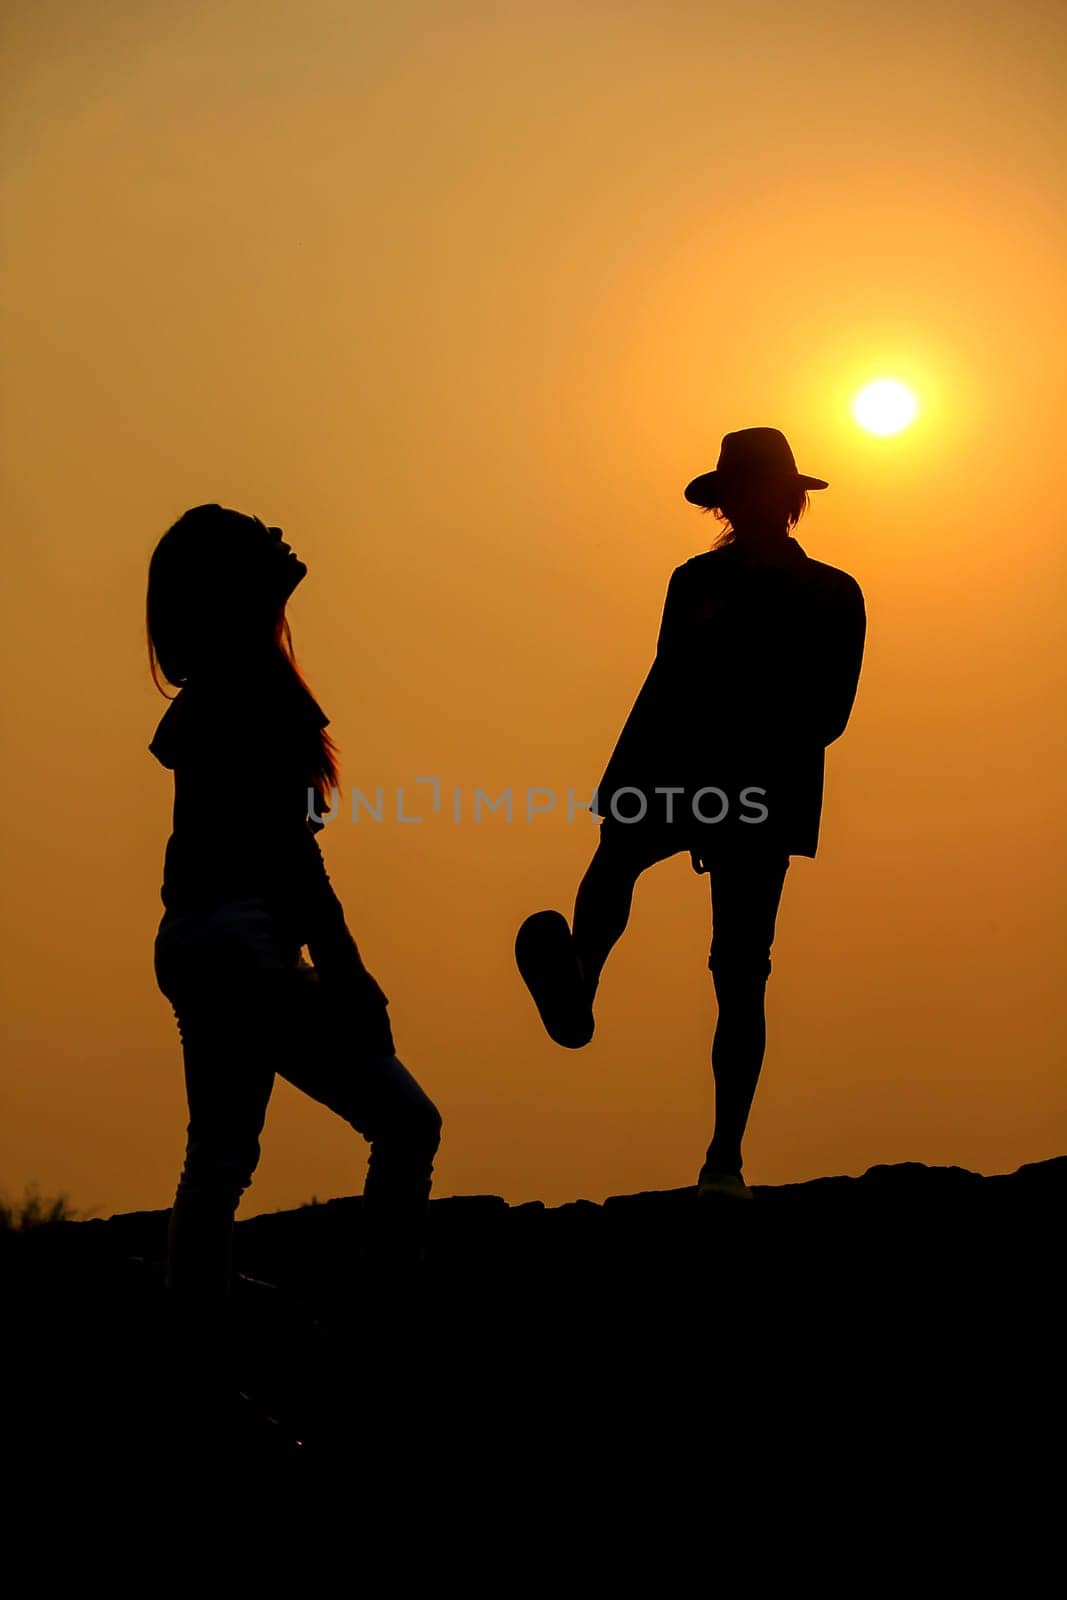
[(885, 407), (461, 299)]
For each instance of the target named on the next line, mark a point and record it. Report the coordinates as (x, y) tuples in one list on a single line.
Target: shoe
[(544, 953), (730, 1184)]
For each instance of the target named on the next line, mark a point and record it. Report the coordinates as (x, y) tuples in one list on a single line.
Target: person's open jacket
[(755, 673)]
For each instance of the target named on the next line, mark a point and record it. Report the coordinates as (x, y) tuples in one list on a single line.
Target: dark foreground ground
[(889, 1345)]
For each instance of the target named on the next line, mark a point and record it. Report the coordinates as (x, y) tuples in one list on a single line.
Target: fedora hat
[(748, 454)]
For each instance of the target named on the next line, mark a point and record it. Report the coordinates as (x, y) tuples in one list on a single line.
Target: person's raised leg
[(602, 906), (339, 1049), (746, 889), (560, 964)]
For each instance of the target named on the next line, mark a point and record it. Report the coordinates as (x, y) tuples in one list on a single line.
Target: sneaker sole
[(544, 954)]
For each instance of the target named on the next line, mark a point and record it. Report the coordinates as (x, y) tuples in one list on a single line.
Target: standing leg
[(228, 1077), (228, 1080), (746, 889), (217, 967)]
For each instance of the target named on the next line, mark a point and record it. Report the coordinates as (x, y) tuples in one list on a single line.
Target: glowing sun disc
[(885, 406)]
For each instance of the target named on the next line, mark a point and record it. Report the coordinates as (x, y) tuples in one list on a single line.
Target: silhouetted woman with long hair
[(245, 890), (722, 757)]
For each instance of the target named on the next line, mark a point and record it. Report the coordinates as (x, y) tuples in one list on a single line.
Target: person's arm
[(331, 945), (272, 829), (317, 910), (840, 659), (296, 861), (644, 722), (674, 612), (335, 956), (651, 702)]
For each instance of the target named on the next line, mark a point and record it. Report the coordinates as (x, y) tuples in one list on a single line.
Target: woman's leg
[(339, 1050), (228, 1078), (746, 889), (218, 968)]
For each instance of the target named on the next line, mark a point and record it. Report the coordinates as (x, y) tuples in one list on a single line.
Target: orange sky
[(461, 297)]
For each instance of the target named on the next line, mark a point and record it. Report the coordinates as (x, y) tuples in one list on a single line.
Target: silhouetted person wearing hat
[(722, 756)]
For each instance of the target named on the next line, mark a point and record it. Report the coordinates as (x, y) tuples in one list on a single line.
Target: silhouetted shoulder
[(834, 578), (706, 564), (209, 725), (703, 571), (695, 577)]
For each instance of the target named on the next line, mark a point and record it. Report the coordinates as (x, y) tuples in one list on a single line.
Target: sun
[(885, 406)]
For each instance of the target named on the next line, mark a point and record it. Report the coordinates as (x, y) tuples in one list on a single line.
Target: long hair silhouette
[(213, 596), (245, 891)]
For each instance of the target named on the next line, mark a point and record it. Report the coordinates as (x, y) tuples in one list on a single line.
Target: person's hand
[(334, 953), (344, 972), (346, 984)]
